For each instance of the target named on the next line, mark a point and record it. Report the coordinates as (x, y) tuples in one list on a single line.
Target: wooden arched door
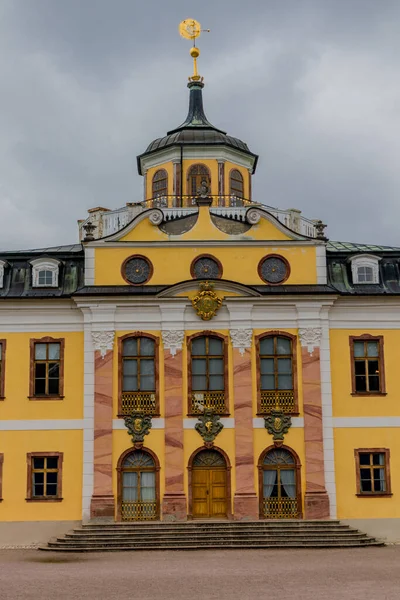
[(280, 496), (138, 487), (209, 485)]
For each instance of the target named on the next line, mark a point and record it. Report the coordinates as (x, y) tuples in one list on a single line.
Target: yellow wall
[(17, 405), (346, 405), (349, 506), (15, 445)]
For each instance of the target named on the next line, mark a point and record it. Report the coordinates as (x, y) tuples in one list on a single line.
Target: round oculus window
[(137, 270), (206, 267), (274, 269)]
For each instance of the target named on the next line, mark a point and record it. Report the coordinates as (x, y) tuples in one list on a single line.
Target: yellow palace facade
[(199, 355)]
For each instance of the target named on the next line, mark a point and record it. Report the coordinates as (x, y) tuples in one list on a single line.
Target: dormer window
[(365, 269), (2, 267), (45, 272)]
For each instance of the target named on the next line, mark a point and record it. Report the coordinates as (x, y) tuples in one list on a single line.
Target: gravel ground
[(356, 574)]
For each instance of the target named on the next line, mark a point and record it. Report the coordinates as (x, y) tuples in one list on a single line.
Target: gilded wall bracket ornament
[(277, 424), (103, 341), (138, 425), (206, 303), (310, 338), (209, 427)]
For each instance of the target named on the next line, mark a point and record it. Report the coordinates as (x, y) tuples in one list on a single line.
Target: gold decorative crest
[(206, 303)]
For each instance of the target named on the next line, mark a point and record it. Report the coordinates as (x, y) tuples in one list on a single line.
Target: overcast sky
[(312, 86)]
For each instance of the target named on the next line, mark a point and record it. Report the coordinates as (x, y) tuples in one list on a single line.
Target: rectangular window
[(44, 476), (47, 368), (368, 375), (372, 472), (207, 374), (138, 379), (2, 368)]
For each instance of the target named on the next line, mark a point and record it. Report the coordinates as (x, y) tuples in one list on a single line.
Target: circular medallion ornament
[(274, 269), (137, 270), (206, 267)]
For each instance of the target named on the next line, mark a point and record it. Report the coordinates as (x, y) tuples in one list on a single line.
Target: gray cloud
[(311, 86)]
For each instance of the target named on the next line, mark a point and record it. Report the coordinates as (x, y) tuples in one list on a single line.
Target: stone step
[(215, 524), (205, 531), (205, 536)]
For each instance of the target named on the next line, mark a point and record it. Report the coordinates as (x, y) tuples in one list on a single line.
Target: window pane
[(267, 366), (147, 383), (38, 490), (40, 387), (40, 370), (147, 367), (284, 365), (364, 459), (216, 366), (373, 381), (54, 370), (267, 346), (267, 382), (38, 463), (52, 462), (361, 384), (54, 386), (199, 383), (373, 348), (51, 489), (359, 367), (38, 477), (147, 347), (358, 349), (129, 489), (199, 366), (40, 351), (129, 347), (378, 459), (199, 346), (54, 351), (1, 349), (285, 382), (215, 346), (216, 383), (130, 367), (373, 367), (129, 384), (366, 485), (379, 480), (283, 346)]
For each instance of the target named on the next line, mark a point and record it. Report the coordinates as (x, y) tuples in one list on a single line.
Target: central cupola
[(196, 155)]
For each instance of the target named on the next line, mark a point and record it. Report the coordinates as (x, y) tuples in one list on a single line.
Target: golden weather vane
[(191, 29)]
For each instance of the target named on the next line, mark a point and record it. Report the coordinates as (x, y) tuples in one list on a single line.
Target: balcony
[(143, 402), (280, 399), (280, 508), (139, 511), (227, 201), (214, 401)]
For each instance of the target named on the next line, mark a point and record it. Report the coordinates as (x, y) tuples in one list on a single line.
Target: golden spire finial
[(191, 29)]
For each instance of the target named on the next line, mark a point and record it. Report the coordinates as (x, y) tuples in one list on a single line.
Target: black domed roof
[(196, 130)]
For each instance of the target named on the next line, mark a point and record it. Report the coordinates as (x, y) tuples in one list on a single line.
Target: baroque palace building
[(199, 355)]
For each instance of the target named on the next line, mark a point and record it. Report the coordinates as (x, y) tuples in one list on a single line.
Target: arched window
[(45, 272), (198, 176), (236, 184), (138, 381), (207, 378), (365, 268), (279, 483), (160, 183), (277, 373), (138, 487)]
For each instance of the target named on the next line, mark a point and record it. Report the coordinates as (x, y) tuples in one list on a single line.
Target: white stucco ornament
[(241, 339), (310, 338), (103, 341), (156, 217), (253, 216), (173, 340)]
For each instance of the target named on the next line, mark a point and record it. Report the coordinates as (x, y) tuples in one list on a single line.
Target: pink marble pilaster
[(103, 503), (245, 502), (316, 500), (174, 506)]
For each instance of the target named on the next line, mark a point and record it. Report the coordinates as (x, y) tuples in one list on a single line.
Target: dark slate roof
[(196, 130), (47, 251)]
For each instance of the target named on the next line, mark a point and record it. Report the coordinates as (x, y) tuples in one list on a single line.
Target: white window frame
[(45, 264), (2, 267), (365, 260)]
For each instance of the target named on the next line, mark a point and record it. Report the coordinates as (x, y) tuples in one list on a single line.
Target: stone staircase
[(198, 535)]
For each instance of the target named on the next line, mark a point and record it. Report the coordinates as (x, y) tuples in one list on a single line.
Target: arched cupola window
[(138, 356), (280, 497), (198, 175), (236, 184), (159, 185)]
